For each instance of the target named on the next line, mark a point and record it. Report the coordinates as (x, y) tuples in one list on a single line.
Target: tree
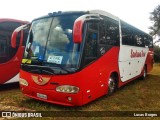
[(156, 53), (155, 28)]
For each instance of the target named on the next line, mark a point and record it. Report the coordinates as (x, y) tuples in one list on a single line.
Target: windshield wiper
[(49, 72), (64, 69), (58, 65)]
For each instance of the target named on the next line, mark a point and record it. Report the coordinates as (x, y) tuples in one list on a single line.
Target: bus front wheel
[(112, 85)]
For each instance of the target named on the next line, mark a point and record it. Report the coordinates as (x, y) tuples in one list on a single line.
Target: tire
[(112, 84), (144, 73)]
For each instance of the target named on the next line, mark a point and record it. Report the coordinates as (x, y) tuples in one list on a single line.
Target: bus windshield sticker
[(28, 61), (55, 59)]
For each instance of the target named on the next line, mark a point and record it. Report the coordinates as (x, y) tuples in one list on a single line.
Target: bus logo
[(102, 50), (136, 54), (40, 80)]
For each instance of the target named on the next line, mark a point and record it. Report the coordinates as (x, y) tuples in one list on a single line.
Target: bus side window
[(139, 39), (112, 32), (3, 50), (25, 37), (102, 34), (13, 25), (108, 35), (132, 36), (6, 51), (127, 34), (91, 44), (90, 53), (148, 41)]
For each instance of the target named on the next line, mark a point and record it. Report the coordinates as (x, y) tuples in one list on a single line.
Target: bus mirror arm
[(15, 33), (78, 26), (77, 30)]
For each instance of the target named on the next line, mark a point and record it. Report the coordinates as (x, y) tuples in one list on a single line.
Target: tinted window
[(134, 37), (100, 37), (109, 33), (128, 35), (6, 51), (91, 40), (148, 41), (25, 37), (102, 33)]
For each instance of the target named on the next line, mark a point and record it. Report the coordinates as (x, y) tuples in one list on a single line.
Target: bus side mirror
[(15, 33), (77, 30), (14, 39), (78, 26)]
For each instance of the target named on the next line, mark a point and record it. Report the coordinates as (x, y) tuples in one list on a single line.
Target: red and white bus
[(10, 58), (72, 58)]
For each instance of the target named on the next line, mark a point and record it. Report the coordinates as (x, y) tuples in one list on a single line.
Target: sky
[(134, 12)]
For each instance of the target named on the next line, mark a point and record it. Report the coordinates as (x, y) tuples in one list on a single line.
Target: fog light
[(69, 99)]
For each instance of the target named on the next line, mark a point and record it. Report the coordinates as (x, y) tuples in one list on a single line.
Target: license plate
[(43, 96)]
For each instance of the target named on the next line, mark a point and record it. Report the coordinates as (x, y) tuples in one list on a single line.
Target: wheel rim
[(111, 85), (144, 73)]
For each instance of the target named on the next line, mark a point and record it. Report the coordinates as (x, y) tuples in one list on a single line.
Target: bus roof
[(12, 20), (62, 13), (100, 12), (104, 13)]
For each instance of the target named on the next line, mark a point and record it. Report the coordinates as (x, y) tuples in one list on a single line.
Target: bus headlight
[(23, 82), (67, 89)]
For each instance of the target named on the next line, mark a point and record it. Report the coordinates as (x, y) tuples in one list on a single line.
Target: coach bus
[(10, 58), (72, 58)]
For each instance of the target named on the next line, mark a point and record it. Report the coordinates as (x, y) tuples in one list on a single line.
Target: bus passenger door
[(90, 59), (90, 50), (3, 50)]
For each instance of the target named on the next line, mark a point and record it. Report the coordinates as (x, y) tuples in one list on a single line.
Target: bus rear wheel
[(144, 73), (112, 84)]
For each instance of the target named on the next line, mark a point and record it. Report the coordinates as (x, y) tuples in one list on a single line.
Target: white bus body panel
[(131, 61), (14, 79)]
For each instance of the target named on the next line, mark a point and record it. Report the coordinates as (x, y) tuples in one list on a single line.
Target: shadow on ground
[(9, 86)]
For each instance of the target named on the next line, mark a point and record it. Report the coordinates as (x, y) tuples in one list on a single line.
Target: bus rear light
[(67, 89), (23, 82)]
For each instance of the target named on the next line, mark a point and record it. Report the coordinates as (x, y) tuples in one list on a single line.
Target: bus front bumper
[(52, 96)]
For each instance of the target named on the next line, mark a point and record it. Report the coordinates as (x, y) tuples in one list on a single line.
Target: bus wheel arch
[(112, 83)]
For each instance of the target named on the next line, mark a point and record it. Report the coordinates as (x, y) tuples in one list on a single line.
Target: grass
[(139, 95)]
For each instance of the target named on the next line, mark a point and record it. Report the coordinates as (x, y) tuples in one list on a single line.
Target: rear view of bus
[(72, 58), (10, 58)]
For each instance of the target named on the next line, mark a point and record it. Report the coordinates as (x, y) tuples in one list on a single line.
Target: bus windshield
[(50, 43)]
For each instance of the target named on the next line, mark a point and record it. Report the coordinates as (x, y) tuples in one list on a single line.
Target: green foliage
[(155, 18), (155, 31), (156, 53), (155, 28)]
